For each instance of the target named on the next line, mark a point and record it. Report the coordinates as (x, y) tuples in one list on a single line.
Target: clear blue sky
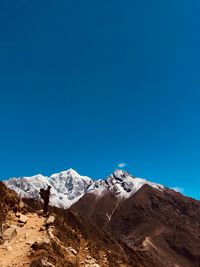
[(91, 84)]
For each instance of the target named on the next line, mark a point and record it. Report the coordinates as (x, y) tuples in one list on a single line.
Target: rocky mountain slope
[(164, 224), (62, 239), (9, 201), (68, 186)]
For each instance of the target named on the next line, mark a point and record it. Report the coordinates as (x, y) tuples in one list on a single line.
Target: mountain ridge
[(69, 186), (163, 224)]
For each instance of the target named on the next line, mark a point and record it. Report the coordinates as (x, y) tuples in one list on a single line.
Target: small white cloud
[(178, 189), (121, 165)]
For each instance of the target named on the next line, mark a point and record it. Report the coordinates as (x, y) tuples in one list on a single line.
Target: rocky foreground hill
[(165, 225), (62, 239), (120, 221)]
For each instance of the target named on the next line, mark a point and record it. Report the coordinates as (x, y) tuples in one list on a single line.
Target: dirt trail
[(16, 252), (19, 249)]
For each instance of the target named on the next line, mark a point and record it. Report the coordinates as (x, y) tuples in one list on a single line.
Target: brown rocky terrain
[(8, 201), (62, 239), (151, 228), (161, 225)]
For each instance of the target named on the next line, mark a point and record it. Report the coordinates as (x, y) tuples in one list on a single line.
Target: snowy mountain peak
[(70, 183), (69, 186), (124, 185), (64, 175), (121, 174)]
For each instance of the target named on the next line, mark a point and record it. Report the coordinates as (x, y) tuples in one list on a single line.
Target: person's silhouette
[(45, 194)]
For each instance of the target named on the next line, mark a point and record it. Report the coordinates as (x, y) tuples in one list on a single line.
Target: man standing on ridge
[(45, 194)]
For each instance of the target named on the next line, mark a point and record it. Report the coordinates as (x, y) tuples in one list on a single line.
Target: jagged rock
[(10, 233), (40, 242), (23, 219), (42, 228), (50, 220), (72, 250), (20, 224), (17, 214), (36, 245)]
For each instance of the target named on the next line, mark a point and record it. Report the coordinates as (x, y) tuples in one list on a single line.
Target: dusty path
[(16, 252), (19, 249)]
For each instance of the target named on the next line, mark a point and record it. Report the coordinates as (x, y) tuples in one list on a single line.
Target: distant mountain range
[(68, 186)]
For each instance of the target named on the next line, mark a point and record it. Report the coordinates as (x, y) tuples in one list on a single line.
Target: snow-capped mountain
[(121, 184), (68, 186)]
